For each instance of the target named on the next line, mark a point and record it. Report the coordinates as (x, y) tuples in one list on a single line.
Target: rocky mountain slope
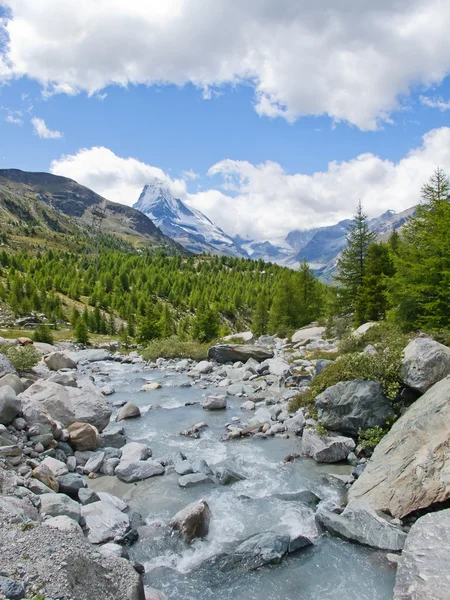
[(42, 207), (188, 226)]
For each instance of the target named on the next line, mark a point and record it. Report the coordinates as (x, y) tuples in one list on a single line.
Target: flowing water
[(331, 569)]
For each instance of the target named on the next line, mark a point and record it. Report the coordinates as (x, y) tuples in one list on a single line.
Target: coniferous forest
[(145, 296)]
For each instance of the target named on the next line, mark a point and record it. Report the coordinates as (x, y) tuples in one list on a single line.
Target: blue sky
[(258, 133)]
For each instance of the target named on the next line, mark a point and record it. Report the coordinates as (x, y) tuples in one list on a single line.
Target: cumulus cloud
[(41, 130), (351, 60), (263, 201), (115, 178)]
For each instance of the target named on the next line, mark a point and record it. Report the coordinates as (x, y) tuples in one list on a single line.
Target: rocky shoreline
[(57, 433)]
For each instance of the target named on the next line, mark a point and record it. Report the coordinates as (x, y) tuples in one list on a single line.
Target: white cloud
[(263, 201), (351, 60), (13, 119), (439, 103), (42, 131)]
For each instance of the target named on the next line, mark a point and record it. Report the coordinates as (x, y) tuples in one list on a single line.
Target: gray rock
[(329, 449), (94, 463), (12, 589), (66, 379), (59, 360), (104, 522), (224, 353), (183, 467), (57, 467), (201, 466), (113, 500), (67, 405), (214, 403), (423, 570), (13, 381), (204, 367), (226, 476), (261, 549), (109, 466), (296, 424), (245, 336), (17, 510), (113, 437), (350, 406), (10, 405), (361, 523), (64, 523), (55, 505), (6, 366), (193, 479), (38, 488), (249, 405), (409, 469), (135, 451), (130, 471), (278, 367), (307, 334), (129, 411), (87, 496), (70, 484), (193, 521), (152, 594), (425, 362), (95, 355), (235, 389), (113, 550)]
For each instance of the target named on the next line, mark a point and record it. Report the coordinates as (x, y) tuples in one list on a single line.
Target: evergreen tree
[(261, 315), (351, 263), (419, 291), (205, 326), (81, 333), (166, 322), (149, 327), (372, 302)]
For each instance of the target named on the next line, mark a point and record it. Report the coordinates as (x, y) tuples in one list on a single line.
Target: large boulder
[(410, 467), (425, 362), (6, 366), (278, 367), (360, 523), (135, 451), (83, 436), (223, 353), (350, 406), (13, 381), (10, 405), (105, 522), (136, 470), (129, 411), (261, 549), (193, 521), (214, 403), (309, 333), (69, 405), (59, 360), (326, 448), (92, 355), (423, 570), (55, 505)]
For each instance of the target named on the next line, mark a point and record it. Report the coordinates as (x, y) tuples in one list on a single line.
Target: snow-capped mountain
[(320, 246), (187, 226)]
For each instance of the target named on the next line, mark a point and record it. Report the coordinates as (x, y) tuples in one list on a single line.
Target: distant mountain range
[(320, 246)]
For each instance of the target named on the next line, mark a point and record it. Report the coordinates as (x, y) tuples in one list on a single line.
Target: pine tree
[(372, 302), (420, 288), (351, 263), (81, 333), (205, 326), (166, 322), (261, 315)]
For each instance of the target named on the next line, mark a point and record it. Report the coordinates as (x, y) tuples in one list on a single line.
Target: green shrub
[(23, 358), (173, 347), (441, 335), (321, 429), (322, 355), (43, 334), (370, 438), (235, 340), (382, 335), (383, 367)]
